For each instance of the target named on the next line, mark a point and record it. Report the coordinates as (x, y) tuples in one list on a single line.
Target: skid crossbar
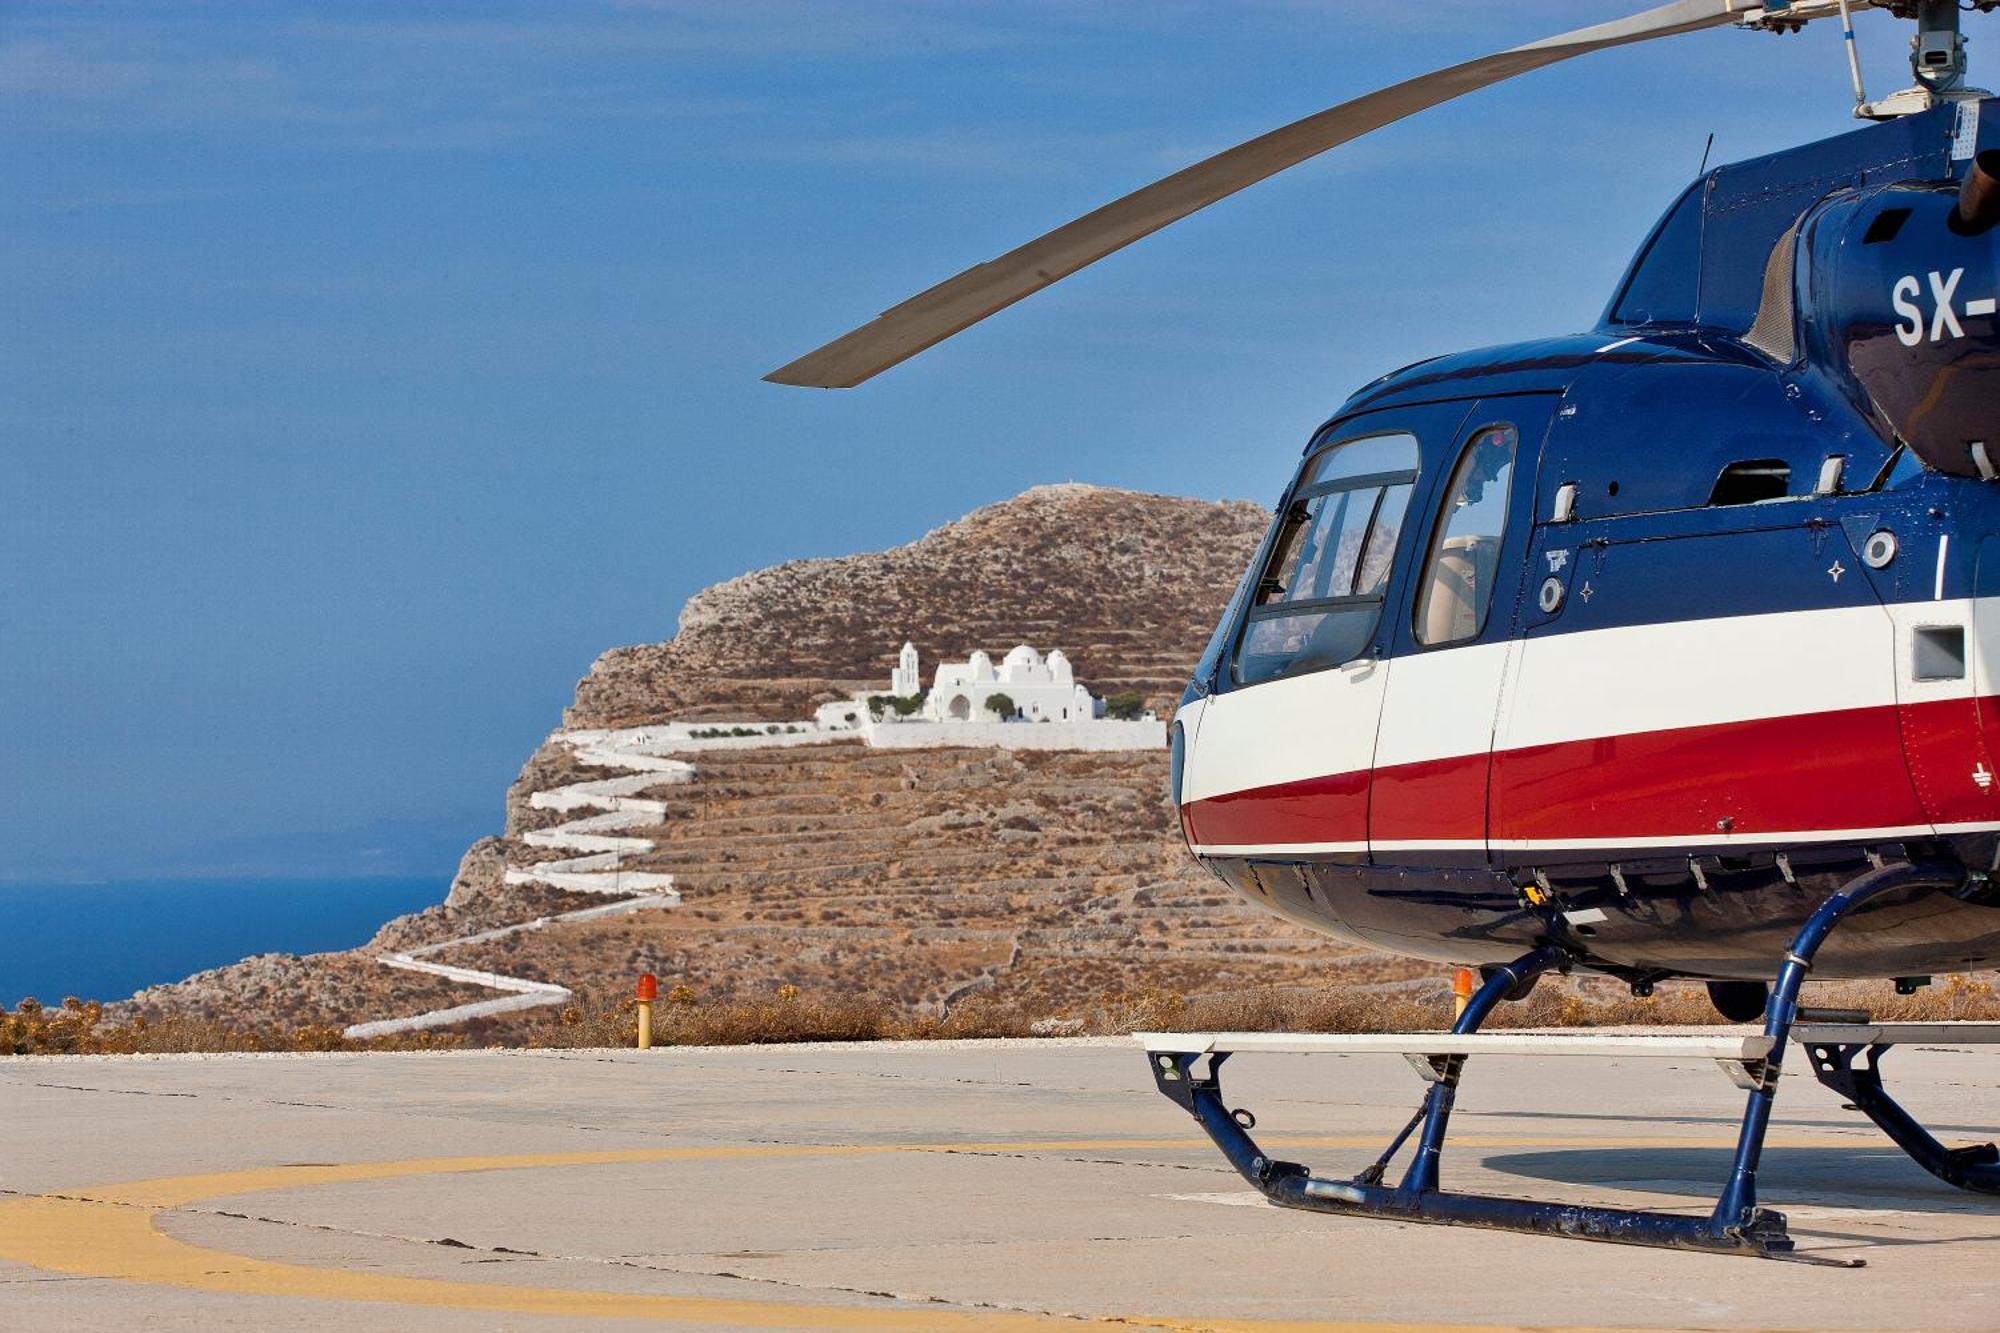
[(1187, 1068), (1431, 1054)]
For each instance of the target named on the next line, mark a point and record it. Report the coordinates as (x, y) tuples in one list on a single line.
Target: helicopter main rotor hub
[(1937, 52)]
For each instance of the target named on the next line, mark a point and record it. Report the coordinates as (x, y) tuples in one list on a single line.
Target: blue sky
[(368, 369)]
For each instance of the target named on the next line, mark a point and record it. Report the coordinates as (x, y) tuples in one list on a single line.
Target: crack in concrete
[(1059, 1155), (502, 1253), (122, 1092), (401, 1113), (908, 1297), (888, 1076)]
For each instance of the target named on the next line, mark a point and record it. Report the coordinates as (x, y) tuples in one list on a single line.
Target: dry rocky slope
[(1129, 585), (1054, 880)]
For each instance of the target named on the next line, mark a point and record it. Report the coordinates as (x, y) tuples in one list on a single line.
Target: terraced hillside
[(1049, 878), (917, 877)]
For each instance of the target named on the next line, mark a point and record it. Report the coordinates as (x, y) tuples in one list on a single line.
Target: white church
[(954, 712), (1042, 689)]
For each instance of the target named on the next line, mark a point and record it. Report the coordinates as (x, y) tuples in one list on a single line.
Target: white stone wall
[(639, 744), (1100, 735), (678, 737)]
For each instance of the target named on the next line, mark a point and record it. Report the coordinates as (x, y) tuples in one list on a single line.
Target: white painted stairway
[(598, 869)]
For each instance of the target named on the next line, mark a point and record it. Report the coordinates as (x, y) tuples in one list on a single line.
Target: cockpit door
[(1279, 764), (1451, 638)]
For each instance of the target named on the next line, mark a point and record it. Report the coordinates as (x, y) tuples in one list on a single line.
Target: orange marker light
[(649, 991), (1461, 992)]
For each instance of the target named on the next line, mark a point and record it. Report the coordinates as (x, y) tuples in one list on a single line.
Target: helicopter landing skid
[(1848, 1059), (1737, 1225)]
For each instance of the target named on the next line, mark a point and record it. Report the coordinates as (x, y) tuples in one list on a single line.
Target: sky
[(368, 369)]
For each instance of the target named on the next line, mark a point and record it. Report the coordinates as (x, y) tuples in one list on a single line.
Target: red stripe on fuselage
[(1770, 775), (1329, 809), (1945, 740), (1443, 799), (1819, 771)]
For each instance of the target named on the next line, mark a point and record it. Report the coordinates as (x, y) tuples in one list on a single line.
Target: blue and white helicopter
[(1658, 651)]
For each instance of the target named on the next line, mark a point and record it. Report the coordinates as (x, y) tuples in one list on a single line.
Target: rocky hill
[(1129, 585), (915, 877)]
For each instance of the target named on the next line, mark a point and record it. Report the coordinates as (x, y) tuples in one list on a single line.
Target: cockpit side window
[(1318, 599), (1463, 565)]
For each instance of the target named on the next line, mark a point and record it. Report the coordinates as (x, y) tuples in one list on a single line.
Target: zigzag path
[(599, 868)]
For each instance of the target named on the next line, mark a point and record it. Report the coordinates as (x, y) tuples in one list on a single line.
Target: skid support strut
[(1737, 1226), (1738, 1206), (1976, 1168)]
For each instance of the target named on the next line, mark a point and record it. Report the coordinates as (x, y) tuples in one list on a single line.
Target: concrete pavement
[(930, 1185)]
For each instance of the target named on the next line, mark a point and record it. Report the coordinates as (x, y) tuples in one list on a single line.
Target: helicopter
[(1666, 650)]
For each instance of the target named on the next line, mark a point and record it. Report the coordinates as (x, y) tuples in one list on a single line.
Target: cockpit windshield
[(1318, 599)]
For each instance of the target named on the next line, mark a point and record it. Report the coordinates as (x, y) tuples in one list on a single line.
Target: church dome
[(1023, 655)]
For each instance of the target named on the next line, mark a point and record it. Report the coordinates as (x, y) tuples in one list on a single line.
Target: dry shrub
[(78, 1028), (1277, 1009), (1553, 1004), (1957, 998), (978, 1016), (682, 1018)]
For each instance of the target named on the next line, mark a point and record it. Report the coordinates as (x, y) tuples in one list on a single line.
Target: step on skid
[(1846, 1056)]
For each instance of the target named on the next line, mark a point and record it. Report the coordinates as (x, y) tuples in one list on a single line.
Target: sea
[(104, 941)]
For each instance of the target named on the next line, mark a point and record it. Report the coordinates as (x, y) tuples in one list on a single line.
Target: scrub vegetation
[(683, 1018), (80, 1027)]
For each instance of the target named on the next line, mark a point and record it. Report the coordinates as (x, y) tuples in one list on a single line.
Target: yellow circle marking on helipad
[(110, 1231)]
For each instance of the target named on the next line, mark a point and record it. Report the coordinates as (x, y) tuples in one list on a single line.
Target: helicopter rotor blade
[(960, 302)]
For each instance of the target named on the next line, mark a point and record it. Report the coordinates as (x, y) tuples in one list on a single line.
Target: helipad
[(994, 1185)]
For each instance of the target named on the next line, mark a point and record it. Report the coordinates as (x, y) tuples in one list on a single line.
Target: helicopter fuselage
[(1644, 641)]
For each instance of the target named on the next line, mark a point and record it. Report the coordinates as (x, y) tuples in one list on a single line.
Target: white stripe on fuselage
[(1696, 673), (1637, 843), (1567, 687), (1286, 731), (1444, 704), (1279, 849)]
